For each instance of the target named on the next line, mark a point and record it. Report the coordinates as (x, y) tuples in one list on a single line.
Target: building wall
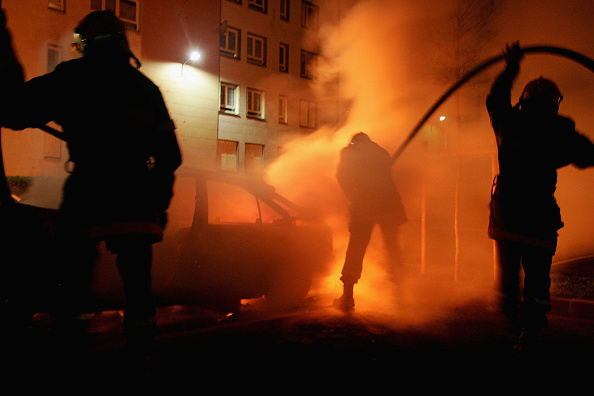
[(34, 27), (168, 30), (268, 78), (172, 30)]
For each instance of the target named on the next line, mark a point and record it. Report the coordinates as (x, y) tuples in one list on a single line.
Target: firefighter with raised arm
[(123, 153), (533, 141)]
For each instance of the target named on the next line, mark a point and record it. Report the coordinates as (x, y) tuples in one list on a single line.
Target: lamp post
[(194, 56)]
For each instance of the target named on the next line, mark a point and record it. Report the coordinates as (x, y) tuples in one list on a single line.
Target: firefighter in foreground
[(123, 152), (533, 141), (365, 175)]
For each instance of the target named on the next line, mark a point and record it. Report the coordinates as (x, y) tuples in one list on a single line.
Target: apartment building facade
[(269, 50), (249, 92)]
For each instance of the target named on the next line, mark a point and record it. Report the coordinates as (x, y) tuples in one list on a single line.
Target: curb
[(572, 308)]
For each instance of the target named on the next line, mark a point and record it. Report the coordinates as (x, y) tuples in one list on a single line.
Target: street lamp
[(194, 56)]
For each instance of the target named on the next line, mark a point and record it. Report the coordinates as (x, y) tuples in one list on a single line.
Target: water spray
[(537, 49)]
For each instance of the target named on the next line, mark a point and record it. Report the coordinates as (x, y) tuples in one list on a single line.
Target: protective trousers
[(360, 235), (536, 301), (134, 264), (134, 261)]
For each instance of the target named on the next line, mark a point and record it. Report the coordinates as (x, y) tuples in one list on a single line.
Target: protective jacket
[(365, 175), (120, 137), (531, 146)]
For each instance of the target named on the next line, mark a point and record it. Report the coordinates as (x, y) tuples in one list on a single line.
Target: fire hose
[(537, 49)]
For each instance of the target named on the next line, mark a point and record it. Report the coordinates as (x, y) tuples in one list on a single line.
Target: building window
[(284, 10), (258, 5), (227, 155), (127, 10), (256, 49), (229, 103), (254, 157), (307, 114), (283, 57), (308, 61), (309, 15), (255, 103), (230, 43), (53, 57), (235, 1), (59, 5), (283, 107)]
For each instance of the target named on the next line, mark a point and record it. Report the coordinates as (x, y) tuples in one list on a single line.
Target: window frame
[(307, 11), (309, 109), (249, 162), (283, 109), (58, 5), (117, 9), (251, 110), (285, 10), (54, 56), (52, 147), (220, 162), (258, 5), (308, 60), (283, 57), (225, 108), (225, 50), (251, 47)]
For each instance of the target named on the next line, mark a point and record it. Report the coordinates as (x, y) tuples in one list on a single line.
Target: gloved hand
[(513, 54)]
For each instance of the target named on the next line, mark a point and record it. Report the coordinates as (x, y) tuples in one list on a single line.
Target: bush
[(18, 185)]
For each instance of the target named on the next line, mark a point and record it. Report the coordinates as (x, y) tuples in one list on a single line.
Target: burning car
[(244, 241), (228, 238)]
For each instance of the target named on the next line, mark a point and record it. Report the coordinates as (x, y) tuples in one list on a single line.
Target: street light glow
[(194, 55)]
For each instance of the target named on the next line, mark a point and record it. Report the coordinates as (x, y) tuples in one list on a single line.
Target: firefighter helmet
[(541, 88), (98, 26), (359, 137)]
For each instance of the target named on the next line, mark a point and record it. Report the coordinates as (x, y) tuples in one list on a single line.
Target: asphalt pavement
[(306, 346)]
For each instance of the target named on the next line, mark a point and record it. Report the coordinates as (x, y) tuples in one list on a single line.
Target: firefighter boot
[(533, 319), (527, 340), (346, 302)]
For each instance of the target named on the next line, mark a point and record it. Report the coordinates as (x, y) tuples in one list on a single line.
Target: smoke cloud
[(393, 59)]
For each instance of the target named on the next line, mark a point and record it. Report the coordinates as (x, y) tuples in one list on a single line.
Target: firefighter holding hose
[(123, 153), (533, 141)]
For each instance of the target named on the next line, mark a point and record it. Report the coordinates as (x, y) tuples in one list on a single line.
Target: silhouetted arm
[(499, 98)]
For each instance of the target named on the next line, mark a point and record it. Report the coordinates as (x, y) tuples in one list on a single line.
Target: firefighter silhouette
[(123, 152), (364, 174), (533, 141)]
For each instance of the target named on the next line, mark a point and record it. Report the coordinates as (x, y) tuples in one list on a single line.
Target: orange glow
[(305, 173), (393, 59)]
